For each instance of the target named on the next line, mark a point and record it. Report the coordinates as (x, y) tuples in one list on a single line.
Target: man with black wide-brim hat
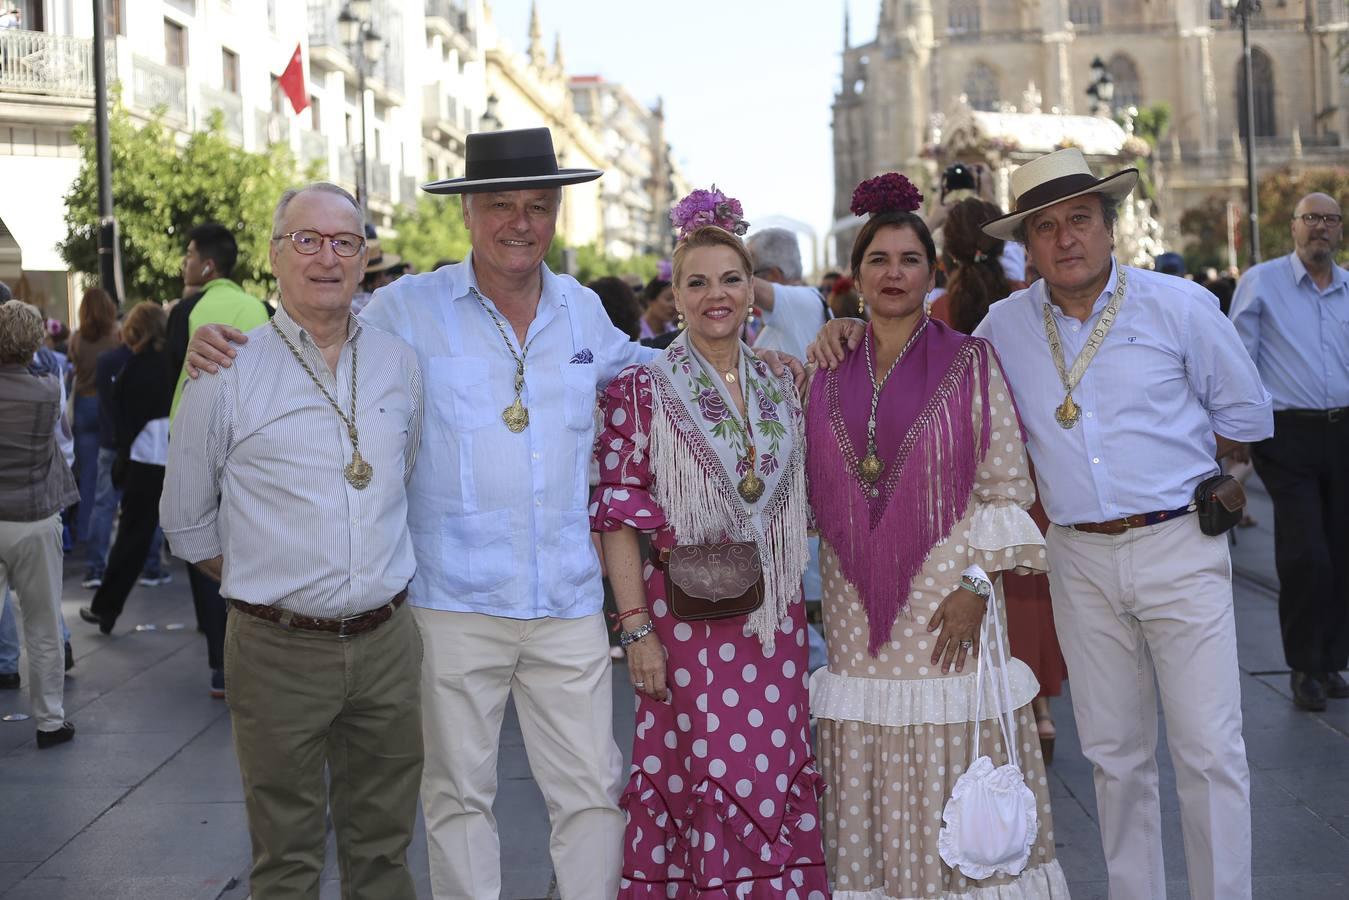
[(507, 592), (1129, 383)]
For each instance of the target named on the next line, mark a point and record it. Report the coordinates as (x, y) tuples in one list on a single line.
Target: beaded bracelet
[(627, 638)]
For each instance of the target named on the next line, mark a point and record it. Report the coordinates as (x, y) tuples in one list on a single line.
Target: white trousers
[(30, 558), (559, 673), (1157, 600)]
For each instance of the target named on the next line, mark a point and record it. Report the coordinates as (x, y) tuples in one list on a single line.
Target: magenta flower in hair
[(711, 207), (890, 192)]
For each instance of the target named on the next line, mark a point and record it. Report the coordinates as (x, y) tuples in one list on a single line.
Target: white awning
[(32, 206)]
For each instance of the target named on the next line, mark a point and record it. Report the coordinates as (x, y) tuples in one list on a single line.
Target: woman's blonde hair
[(710, 236), (145, 327), (22, 331)]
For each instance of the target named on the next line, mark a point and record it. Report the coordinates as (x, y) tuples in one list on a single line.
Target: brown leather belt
[(1141, 520), (343, 628)]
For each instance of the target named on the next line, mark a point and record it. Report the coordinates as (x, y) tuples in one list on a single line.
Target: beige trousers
[(559, 673), (1157, 601), (30, 558), (302, 699)]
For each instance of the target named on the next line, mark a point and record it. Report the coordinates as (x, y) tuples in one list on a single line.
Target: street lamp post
[(490, 121), (109, 251), (364, 46), (1102, 88), (1241, 11)]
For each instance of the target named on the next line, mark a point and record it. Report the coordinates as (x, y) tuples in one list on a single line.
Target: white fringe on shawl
[(702, 504)]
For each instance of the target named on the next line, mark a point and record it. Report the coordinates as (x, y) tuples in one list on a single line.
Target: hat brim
[(385, 263), (560, 178), (1116, 186)]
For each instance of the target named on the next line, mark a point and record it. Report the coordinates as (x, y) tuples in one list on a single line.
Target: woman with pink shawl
[(919, 486)]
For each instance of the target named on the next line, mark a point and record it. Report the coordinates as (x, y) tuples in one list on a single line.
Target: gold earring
[(679, 319)]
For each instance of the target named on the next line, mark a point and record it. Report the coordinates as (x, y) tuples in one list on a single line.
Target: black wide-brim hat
[(518, 160)]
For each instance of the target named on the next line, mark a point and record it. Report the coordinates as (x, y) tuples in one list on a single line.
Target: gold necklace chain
[(871, 466), (1068, 412), (516, 416), (358, 472)]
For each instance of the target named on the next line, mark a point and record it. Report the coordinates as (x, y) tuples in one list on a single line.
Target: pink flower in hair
[(890, 192), (710, 207)]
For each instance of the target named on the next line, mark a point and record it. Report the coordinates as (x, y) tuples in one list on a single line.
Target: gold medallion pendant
[(870, 468), (751, 487), (516, 416), (358, 471), (1068, 412)]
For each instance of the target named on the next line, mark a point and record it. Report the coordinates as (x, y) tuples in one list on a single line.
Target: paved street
[(145, 803)]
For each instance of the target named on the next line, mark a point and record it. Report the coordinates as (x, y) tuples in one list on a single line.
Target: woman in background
[(97, 333)]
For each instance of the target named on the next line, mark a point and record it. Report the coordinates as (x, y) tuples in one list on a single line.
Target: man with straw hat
[(1129, 384)]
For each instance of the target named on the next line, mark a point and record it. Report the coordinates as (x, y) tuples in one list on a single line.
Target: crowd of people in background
[(500, 521)]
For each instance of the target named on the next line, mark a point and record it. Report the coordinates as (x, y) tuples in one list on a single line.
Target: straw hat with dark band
[(1053, 178), (517, 160)]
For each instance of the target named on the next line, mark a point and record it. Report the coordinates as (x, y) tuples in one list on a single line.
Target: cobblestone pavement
[(145, 803)]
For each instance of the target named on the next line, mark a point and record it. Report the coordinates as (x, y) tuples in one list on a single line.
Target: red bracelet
[(619, 617)]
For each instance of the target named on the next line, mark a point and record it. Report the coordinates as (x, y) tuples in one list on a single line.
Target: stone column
[(1058, 34), (1197, 116)]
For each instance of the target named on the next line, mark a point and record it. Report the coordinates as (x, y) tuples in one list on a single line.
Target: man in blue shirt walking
[(1292, 313)]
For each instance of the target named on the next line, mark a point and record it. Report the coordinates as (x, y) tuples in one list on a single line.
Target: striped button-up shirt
[(262, 439)]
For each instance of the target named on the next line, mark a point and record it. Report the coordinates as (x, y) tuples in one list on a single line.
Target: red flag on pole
[(292, 82)]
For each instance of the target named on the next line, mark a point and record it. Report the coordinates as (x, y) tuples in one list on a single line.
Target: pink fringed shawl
[(925, 435)]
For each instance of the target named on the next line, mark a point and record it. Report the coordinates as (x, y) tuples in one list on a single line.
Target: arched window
[(1262, 74), (1128, 91), (1085, 13), (962, 17), (981, 87)]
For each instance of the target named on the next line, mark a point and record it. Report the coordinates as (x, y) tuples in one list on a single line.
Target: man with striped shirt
[(287, 480)]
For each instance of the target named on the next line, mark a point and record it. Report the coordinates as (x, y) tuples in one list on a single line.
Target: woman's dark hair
[(653, 289), (98, 314), (620, 303), (976, 280), (888, 220)]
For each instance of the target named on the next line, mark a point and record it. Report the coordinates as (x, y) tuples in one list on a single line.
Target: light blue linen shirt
[(499, 520), (1297, 333), (1170, 373)]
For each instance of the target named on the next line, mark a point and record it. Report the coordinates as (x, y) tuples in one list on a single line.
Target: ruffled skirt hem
[(1042, 882)]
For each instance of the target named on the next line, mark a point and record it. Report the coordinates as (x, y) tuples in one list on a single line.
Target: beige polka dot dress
[(895, 731)]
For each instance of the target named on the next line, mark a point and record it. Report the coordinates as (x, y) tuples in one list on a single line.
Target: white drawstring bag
[(991, 820)]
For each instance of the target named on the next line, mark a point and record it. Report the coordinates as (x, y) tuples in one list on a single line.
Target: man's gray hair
[(326, 187), (1109, 212), (779, 249), (22, 330)]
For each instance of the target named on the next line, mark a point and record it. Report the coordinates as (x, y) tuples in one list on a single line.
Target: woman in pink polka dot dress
[(723, 799), (919, 485)]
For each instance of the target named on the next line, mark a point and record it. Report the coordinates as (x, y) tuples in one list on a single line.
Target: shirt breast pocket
[(460, 392), (578, 395)]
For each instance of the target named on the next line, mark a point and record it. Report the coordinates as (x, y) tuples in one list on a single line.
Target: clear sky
[(747, 84)]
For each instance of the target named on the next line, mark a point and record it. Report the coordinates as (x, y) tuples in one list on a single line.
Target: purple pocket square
[(583, 357)]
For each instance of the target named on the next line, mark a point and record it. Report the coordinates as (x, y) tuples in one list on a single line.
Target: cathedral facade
[(932, 58)]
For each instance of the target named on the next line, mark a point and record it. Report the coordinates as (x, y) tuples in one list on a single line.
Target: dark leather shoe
[(47, 739), (1336, 686), (93, 618), (1308, 692), (10, 681)]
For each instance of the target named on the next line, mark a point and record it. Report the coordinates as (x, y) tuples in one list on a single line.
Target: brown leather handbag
[(713, 581)]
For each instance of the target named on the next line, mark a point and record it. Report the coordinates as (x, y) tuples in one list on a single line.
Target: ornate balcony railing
[(407, 190), (231, 108), (346, 166), (155, 85), (314, 146), (271, 128), (379, 179), (32, 62)]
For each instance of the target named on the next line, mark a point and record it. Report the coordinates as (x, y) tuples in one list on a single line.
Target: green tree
[(430, 231), (162, 188)]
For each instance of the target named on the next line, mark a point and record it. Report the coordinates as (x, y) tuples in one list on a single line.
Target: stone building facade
[(931, 57)]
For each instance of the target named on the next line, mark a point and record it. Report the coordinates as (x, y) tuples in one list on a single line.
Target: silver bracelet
[(631, 637)]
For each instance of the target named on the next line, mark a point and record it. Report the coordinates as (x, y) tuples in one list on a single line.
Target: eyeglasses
[(309, 242), (1311, 220)]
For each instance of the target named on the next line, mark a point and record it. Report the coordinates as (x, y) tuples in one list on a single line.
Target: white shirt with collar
[(1169, 374), (499, 520)]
